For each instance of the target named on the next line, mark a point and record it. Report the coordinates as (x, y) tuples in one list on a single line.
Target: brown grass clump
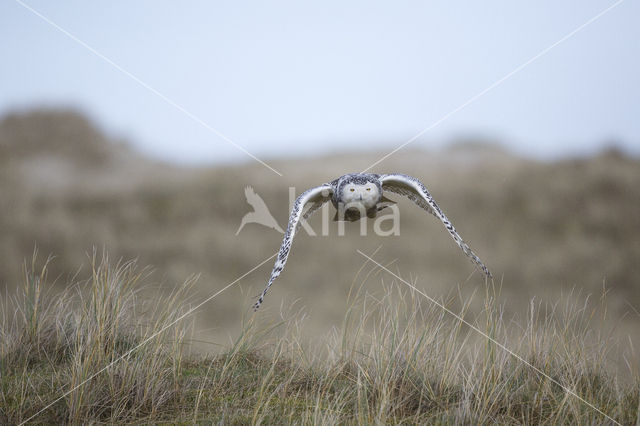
[(396, 358), (79, 346)]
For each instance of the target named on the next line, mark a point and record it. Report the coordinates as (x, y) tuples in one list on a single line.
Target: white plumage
[(355, 195)]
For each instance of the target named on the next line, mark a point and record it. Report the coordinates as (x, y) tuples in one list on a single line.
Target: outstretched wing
[(318, 196), (410, 194), (312, 209), (413, 189)]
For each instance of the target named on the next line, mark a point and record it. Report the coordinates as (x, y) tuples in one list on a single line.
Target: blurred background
[(126, 125)]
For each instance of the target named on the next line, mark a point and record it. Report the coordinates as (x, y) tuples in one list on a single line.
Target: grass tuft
[(396, 358)]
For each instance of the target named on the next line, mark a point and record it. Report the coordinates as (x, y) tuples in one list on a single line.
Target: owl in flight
[(355, 195)]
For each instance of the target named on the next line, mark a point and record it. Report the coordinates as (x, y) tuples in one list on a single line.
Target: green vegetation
[(396, 358)]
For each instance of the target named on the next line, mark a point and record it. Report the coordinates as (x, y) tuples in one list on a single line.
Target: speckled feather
[(407, 186)]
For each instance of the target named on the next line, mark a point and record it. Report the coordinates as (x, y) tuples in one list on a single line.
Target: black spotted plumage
[(400, 184)]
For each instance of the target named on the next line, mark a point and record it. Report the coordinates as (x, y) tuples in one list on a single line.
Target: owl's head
[(367, 194)]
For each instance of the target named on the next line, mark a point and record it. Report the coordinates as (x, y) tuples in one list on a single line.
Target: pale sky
[(297, 78)]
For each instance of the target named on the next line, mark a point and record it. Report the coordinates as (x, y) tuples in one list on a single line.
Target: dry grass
[(544, 228), (54, 343), (396, 358)]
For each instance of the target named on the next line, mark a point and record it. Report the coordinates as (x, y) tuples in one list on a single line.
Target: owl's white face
[(367, 195)]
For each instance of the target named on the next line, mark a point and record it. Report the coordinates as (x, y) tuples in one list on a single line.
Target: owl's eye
[(352, 189), (368, 189)]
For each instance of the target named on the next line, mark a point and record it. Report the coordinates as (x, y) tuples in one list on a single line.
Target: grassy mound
[(98, 353)]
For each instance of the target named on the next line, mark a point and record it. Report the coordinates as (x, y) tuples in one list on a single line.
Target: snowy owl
[(355, 195)]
